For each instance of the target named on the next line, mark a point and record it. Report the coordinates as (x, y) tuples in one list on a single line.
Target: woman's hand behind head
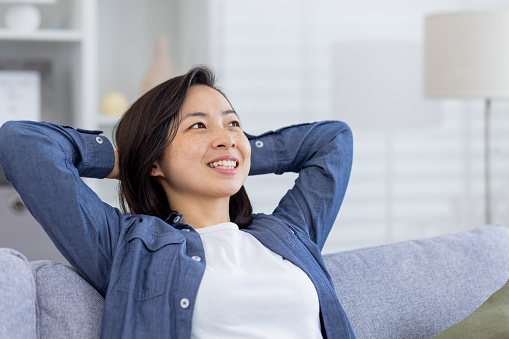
[(115, 174)]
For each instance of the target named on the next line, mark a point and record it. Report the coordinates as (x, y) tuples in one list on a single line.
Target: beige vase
[(161, 68)]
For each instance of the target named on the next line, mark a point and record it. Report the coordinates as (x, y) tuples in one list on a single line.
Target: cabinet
[(67, 40), (67, 43)]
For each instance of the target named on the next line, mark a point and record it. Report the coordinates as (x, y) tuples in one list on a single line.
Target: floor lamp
[(467, 55)]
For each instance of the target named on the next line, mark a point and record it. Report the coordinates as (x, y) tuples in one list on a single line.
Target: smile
[(223, 164)]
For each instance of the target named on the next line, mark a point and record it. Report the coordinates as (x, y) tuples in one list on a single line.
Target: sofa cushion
[(416, 289), (67, 306), (17, 296)]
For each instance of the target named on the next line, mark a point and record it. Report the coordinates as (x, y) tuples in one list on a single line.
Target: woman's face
[(210, 156)]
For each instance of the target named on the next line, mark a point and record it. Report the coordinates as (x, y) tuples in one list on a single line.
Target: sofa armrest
[(416, 289), (17, 296)]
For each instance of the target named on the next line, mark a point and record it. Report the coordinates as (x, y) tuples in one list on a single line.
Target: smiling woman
[(178, 110), (191, 260), (196, 169)]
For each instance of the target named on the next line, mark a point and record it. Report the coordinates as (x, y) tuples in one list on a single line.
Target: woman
[(190, 260)]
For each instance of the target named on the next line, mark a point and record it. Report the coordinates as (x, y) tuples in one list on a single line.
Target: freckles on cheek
[(183, 153)]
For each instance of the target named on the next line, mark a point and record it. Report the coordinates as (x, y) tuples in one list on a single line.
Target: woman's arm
[(44, 162), (322, 155)]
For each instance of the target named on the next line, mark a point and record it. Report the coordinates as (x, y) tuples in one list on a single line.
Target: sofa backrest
[(416, 289), (67, 306)]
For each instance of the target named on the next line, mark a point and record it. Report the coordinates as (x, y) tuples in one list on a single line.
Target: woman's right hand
[(115, 173)]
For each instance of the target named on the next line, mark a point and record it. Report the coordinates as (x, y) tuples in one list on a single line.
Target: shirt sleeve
[(44, 163), (322, 155)]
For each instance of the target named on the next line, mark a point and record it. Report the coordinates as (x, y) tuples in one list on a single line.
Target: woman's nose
[(223, 139)]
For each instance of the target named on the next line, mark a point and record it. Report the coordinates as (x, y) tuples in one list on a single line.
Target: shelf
[(42, 35)]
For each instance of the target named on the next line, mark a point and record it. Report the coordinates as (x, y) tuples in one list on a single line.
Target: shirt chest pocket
[(145, 271)]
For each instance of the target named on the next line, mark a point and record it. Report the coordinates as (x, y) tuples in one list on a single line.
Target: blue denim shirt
[(149, 270)]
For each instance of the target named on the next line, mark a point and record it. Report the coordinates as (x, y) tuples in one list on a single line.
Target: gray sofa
[(412, 289)]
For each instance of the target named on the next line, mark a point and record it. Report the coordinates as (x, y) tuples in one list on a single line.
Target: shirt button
[(99, 140), (259, 144), (195, 257), (186, 229), (184, 303), (177, 219)]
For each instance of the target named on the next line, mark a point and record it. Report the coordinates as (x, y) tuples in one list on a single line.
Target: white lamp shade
[(467, 55)]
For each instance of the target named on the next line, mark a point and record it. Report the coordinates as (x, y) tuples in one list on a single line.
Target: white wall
[(418, 164)]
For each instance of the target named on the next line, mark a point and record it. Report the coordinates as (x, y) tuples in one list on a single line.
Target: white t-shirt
[(248, 291)]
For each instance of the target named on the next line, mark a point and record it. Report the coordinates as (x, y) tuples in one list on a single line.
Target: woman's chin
[(227, 192)]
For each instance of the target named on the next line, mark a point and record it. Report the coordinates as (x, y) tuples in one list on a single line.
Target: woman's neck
[(203, 212)]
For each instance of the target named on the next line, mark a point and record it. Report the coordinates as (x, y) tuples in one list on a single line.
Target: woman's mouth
[(223, 164)]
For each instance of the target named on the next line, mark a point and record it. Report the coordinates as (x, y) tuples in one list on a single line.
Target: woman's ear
[(156, 170)]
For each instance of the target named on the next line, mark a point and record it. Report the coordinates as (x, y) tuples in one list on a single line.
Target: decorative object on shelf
[(467, 55), (26, 91), (161, 68), (23, 15), (114, 103)]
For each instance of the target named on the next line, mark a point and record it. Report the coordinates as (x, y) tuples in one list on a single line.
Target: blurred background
[(419, 163)]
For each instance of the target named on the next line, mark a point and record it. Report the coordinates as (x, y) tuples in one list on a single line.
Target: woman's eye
[(198, 125), (234, 124)]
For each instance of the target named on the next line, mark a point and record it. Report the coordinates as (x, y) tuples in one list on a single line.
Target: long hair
[(147, 127)]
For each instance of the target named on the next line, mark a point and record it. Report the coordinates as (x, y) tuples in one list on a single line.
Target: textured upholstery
[(412, 289), (67, 306), (17, 296), (416, 289)]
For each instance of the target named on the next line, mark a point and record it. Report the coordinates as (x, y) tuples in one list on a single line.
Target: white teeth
[(223, 164)]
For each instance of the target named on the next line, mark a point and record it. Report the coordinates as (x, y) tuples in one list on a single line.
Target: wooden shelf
[(42, 35)]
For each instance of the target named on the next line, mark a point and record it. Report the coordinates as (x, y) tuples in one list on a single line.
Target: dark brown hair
[(147, 127)]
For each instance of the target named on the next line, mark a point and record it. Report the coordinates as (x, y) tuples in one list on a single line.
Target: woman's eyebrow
[(230, 111), (195, 114), (205, 115)]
